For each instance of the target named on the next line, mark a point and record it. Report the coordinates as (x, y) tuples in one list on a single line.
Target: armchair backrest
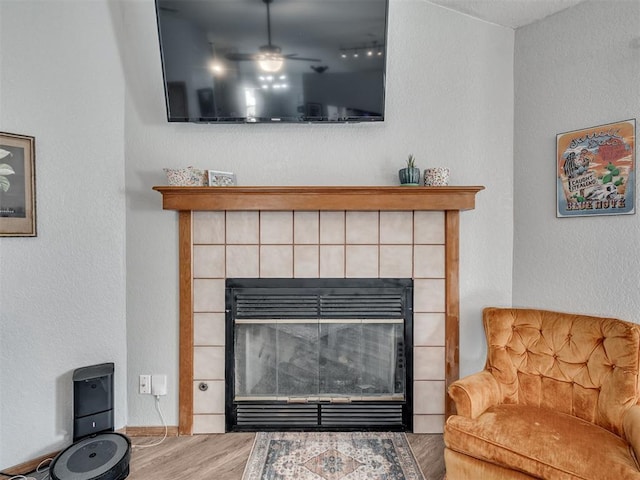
[(580, 365)]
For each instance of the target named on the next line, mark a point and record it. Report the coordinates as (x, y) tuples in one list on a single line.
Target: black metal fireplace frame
[(387, 415)]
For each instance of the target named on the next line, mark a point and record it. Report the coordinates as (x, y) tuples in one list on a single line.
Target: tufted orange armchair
[(558, 399)]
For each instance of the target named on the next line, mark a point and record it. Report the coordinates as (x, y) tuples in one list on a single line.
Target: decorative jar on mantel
[(436, 177)]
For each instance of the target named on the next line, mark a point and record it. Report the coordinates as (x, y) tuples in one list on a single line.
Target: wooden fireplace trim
[(185, 200), (318, 198)]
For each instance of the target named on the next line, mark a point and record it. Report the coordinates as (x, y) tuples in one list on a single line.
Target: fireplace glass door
[(300, 360)]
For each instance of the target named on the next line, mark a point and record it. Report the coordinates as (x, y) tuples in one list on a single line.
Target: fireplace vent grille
[(256, 416), (356, 305), (274, 305)]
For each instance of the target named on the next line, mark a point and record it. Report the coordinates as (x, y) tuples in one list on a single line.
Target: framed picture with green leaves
[(17, 185)]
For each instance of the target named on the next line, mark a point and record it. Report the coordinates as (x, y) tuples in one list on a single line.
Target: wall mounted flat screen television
[(256, 61)]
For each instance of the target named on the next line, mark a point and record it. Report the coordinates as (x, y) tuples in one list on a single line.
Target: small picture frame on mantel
[(221, 179), (17, 185)]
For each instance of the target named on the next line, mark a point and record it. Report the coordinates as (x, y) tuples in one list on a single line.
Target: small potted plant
[(410, 175)]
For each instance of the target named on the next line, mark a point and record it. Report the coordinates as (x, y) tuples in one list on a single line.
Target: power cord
[(27, 476), (48, 476), (164, 424)]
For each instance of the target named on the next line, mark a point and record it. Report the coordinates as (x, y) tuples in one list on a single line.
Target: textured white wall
[(574, 70), (62, 294), (449, 101)]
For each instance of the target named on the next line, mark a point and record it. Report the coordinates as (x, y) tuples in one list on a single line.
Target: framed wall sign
[(17, 185), (595, 170)]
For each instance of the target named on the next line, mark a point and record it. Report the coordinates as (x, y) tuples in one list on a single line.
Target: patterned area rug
[(331, 456)]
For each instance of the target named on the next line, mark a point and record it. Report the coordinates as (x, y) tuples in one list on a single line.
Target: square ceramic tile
[(276, 261), (206, 424), (428, 424), (361, 261), (396, 261), (428, 261), (396, 228), (243, 261), (208, 261), (208, 363), (209, 400), (332, 261), (428, 295), (242, 228), (306, 228), (428, 329), (306, 261), (362, 228), (208, 228), (209, 329), (208, 295), (428, 363), (332, 227), (428, 397), (428, 227), (276, 228)]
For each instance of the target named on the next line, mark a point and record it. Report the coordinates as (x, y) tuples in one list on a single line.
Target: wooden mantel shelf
[(319, 198)]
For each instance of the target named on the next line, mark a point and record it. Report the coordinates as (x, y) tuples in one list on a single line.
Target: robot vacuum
[(98, 453), (104, 456)]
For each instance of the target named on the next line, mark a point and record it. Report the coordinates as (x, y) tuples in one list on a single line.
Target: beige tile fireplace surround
[(316, 232)]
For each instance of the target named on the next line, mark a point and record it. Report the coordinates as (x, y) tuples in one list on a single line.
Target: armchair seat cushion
[(542, 443)]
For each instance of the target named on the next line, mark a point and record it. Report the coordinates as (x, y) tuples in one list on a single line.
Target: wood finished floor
[(223, 457)]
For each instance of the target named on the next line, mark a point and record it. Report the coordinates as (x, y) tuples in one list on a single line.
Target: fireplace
[(319, 354), (316, 232)]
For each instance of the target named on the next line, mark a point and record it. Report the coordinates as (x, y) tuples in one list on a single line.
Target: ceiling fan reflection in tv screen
[(273, 61)]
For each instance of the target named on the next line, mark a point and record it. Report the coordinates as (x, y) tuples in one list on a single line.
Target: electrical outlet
[(158, 384), (145, 384)]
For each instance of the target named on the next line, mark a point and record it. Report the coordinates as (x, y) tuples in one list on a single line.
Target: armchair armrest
[(631, 428), (475, 393)]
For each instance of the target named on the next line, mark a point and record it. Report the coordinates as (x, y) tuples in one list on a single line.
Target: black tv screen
[(252, 61)]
